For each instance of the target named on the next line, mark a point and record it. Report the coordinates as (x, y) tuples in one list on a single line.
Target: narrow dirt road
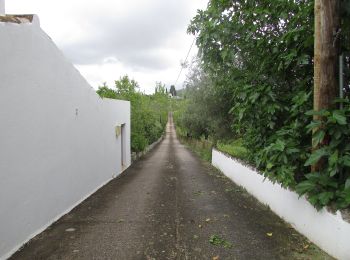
[(170, 205)]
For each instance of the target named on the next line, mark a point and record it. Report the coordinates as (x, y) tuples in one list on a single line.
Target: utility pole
[(326, 52)]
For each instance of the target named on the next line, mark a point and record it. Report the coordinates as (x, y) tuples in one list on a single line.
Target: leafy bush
[(149, 113), (254, 82), (332, 136), (234, 148)]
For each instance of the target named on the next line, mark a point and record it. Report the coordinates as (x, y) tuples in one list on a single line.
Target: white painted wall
[(330, 232), (2, 7), (57, 137)]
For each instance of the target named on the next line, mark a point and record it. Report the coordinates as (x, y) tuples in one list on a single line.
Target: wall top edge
[(19, 18), (341, 214)]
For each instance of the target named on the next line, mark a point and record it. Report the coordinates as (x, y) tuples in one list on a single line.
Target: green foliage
[(202, 147), (219, 241), (258, 56), (332, 136), (172, 90), (148, 112), (106, 92), (253, 82), (234, 148), (204, 112)]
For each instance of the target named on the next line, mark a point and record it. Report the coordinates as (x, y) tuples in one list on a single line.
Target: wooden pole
[(326, 52)]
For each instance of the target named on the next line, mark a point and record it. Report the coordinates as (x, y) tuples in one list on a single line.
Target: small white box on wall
[(118, 130)]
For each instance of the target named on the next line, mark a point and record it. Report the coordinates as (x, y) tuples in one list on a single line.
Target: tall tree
[(172, 90)]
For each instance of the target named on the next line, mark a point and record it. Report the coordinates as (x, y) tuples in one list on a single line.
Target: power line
[(188, 53)]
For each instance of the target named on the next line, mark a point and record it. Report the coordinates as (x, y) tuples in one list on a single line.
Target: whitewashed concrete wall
[(330, 232), (57, 137), (2, 7)]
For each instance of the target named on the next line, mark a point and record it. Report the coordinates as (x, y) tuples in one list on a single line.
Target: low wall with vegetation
[(259, 89), (201, 147), (329, 231), (136, 155)]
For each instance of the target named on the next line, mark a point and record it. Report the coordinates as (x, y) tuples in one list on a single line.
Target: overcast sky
[(106, 39)]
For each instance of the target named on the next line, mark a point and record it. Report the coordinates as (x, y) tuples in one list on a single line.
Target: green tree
[(148, 112), (172, 90), (125, 86), (259, 56), (105, 92), (206, 113), (258, 59)]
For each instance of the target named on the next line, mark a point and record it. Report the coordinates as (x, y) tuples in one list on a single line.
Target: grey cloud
[(134, 38), (146, 59)]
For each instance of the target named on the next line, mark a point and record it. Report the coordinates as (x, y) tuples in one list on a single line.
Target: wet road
[(170, 205)]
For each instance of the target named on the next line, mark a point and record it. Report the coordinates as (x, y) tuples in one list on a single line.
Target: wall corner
[(36, 20)]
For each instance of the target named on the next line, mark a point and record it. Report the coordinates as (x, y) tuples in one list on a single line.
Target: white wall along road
[(59, 141), (327, 230)]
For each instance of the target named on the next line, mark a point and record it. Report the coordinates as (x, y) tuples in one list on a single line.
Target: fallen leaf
[(306, 246), (207, 220), (216, 257)]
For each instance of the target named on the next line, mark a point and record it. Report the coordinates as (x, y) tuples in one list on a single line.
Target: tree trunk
[(326, 51)]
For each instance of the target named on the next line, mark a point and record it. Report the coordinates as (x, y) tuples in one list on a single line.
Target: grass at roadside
[(201, 147), (234, 148)]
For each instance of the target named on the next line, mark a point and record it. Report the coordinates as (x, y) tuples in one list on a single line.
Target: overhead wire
[(182, 67)]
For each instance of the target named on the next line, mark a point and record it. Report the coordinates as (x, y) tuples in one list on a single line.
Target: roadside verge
[(137, 155)]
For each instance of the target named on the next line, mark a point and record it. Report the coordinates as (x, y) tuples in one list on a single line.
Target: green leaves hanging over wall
[(258, 57)]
